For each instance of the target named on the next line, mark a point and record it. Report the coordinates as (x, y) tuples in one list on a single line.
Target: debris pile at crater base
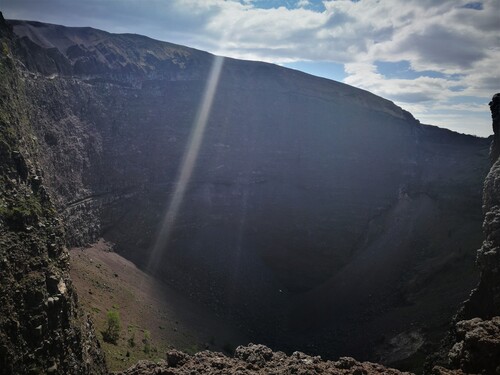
[(255, 359)]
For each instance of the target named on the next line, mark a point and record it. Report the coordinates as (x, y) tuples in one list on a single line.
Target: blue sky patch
[(402, 70), (470, 100), (315, 5), (458, 88), (475, 6)]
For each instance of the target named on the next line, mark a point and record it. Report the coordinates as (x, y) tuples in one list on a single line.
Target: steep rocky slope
[(320, 217), (485, 299), (41, 328), (106, 281), (474, 345)]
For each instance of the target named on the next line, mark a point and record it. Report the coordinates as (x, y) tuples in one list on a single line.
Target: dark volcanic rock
[(258, 359), (474, 343), (485, 300), (479, 347), (102, 57), (316, 212), (41, 328)]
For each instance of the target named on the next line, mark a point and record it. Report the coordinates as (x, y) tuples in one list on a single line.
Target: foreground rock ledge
[(254, 359)]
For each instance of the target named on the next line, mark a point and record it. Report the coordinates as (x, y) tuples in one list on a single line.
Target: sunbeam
[(188, 163)]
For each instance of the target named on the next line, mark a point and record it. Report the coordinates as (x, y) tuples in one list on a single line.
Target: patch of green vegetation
[(127, 352), (131, 339), (147, 342), (132, 327), (25, 209), (112, 332), (96, 309), (5, 48)]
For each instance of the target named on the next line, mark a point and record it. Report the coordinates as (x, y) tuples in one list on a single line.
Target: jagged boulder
[(479, 347)]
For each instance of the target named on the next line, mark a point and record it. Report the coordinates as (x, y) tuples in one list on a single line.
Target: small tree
[(112, 333)]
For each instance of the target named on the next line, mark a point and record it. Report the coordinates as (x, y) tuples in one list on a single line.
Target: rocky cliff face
[(485, 300), (41, 328), (316, 212), (475, 338)]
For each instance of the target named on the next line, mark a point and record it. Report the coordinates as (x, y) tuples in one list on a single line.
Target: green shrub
[(5, 49), (147, 342), (131, 339), (112, 333)]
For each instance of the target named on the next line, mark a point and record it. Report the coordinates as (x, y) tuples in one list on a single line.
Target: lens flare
[(187, 165)]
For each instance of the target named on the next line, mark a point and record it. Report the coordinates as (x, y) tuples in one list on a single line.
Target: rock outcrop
[(485, 300), (42, 329), (474, 345), (256, 359), (316, 212)]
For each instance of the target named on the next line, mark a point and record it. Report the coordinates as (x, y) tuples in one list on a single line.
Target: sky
[(438, 59)]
